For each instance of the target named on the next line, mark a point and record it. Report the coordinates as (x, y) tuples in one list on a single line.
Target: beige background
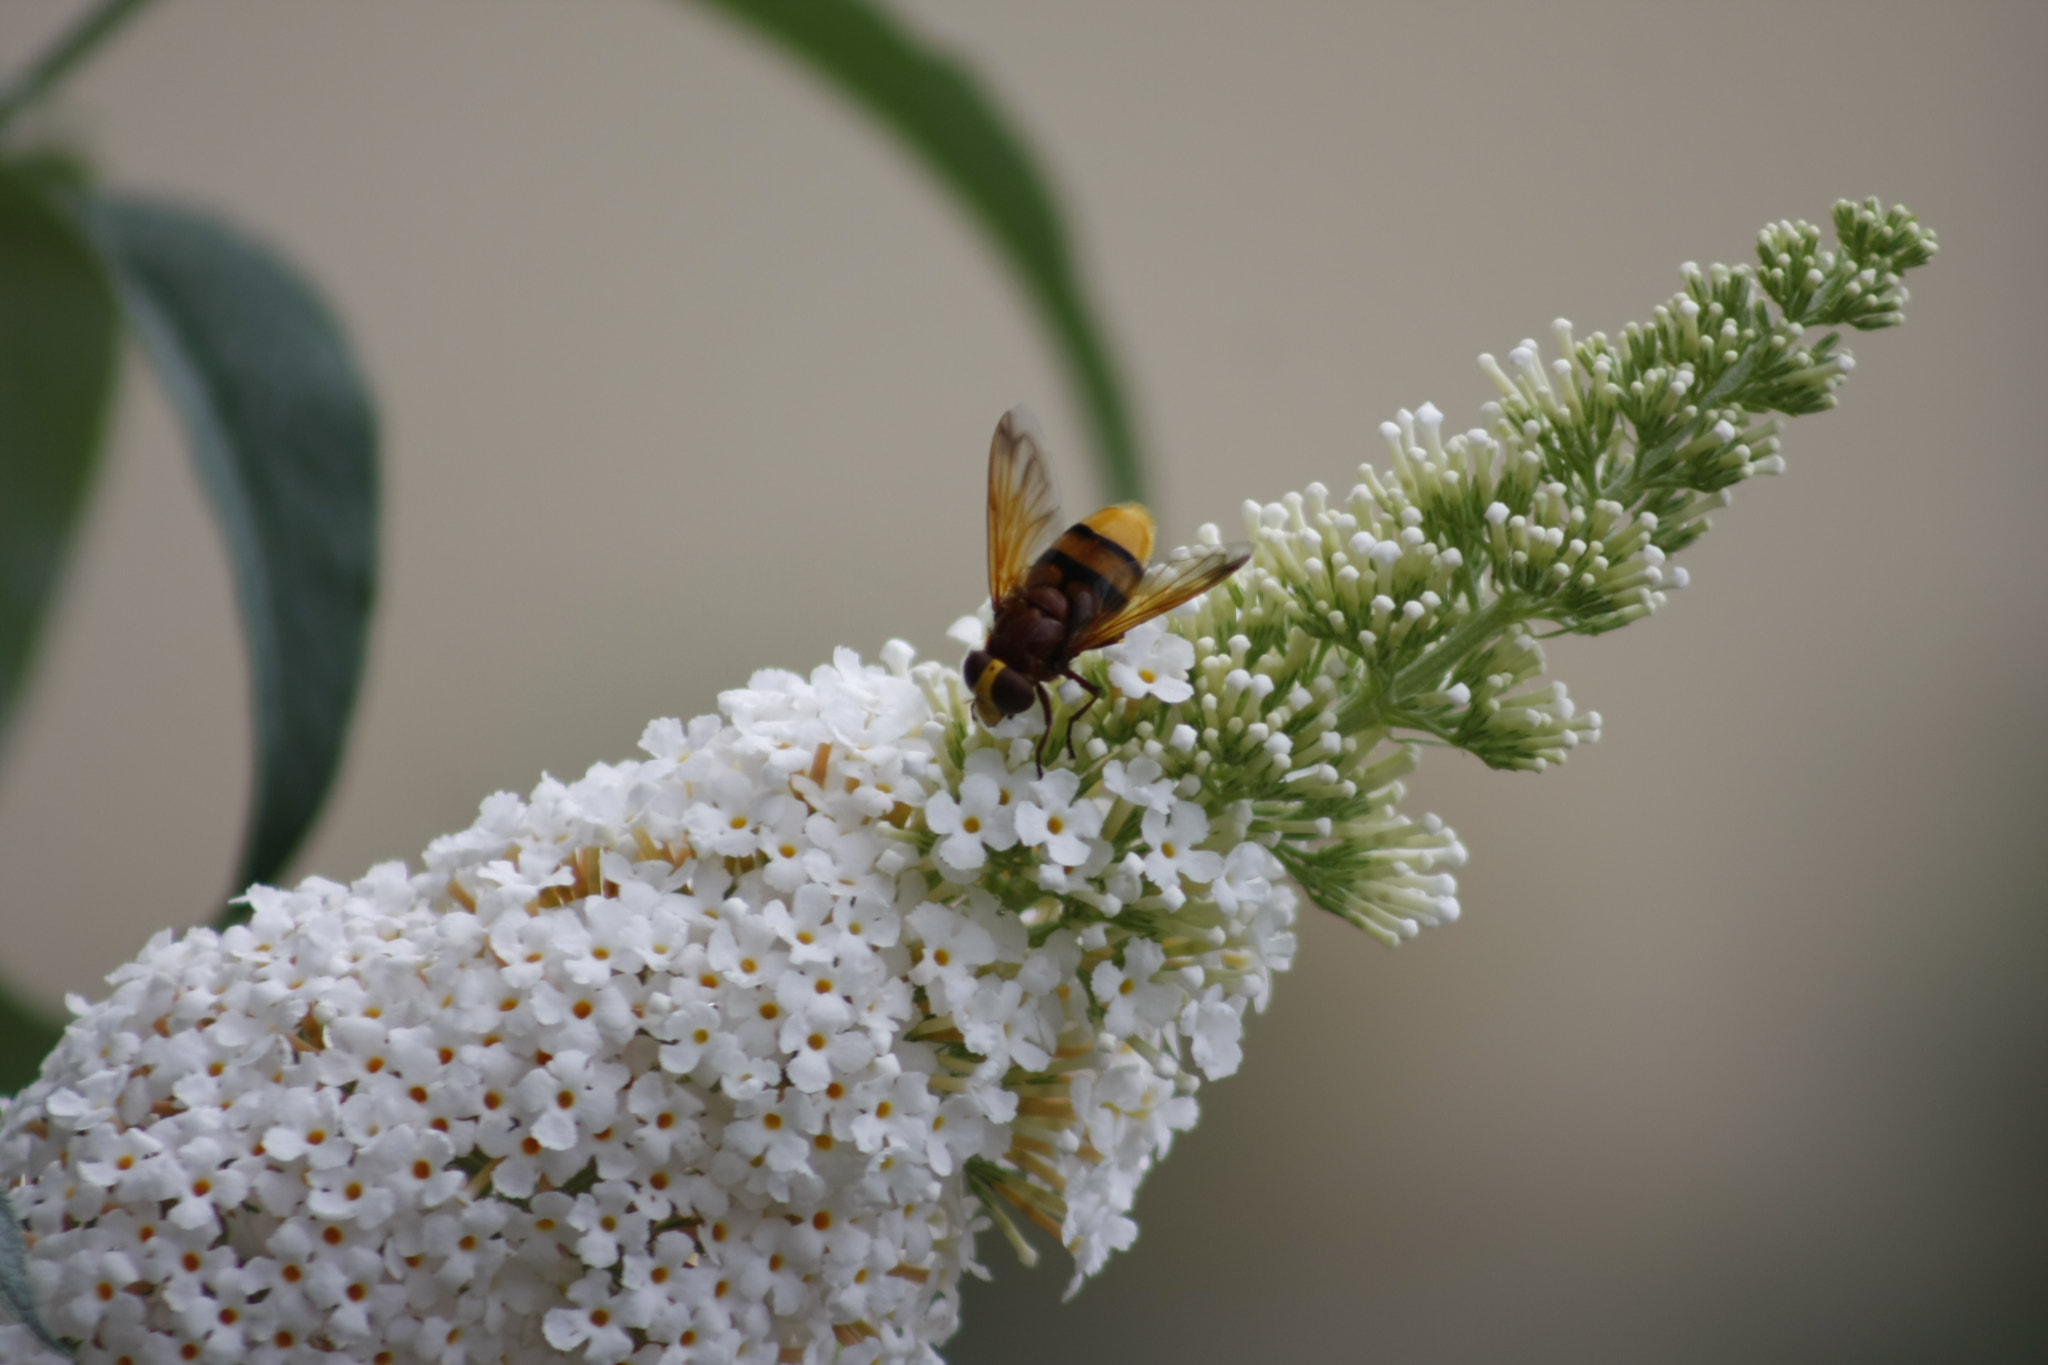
[(1741, 1051)]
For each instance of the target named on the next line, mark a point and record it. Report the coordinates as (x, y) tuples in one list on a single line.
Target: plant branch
[(1475, 632), (48, 68)]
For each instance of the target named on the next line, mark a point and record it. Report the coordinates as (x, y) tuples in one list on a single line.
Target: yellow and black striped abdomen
[(1105, 553)]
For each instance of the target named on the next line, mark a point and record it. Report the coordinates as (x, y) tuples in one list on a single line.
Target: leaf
[(281, 425), (936, 107), (26, 1037), (58, 354), (58, 347), (15, 1288)]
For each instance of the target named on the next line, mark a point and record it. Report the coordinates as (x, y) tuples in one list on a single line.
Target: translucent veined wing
[(1023, 502), (1165, 586)]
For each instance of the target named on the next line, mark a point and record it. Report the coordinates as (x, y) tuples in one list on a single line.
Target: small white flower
[(1129, 995), (982, 818), (1054, 819), (1138, 782), (1150, 662), (570, 1096), (345, 1194), (596, 1323), (1246, 880), (955, 949), (308, 1125), (1214, 1025), (1173, 841), (971, 631)]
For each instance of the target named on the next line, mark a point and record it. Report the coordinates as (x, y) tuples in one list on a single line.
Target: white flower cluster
[(714, 1056)]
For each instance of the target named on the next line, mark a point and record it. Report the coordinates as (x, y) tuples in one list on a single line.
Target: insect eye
[(1011, 692)]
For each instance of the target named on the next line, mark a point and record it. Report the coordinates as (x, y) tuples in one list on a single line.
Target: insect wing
[(1023, 501), (1165, 586)]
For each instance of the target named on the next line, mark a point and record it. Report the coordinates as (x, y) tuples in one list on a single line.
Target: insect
[(1083, 592)]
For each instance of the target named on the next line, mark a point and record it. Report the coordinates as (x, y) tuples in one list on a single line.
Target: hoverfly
[(1083, 592)]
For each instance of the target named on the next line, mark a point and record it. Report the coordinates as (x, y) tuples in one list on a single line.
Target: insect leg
[(1094, 695), (1045, 704)]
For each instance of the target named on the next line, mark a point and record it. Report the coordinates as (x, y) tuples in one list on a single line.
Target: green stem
[(49, 67), (1476, 630), (27, 1033), (1633, 486)]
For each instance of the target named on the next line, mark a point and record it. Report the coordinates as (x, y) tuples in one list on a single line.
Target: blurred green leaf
[(59, 172), (939, 111), (58, 346), (26, 1037), (47, 69), (281, 425), (58, 352)]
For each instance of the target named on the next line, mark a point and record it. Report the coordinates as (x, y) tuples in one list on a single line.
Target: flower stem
[(1476, 631), (49, 67)]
